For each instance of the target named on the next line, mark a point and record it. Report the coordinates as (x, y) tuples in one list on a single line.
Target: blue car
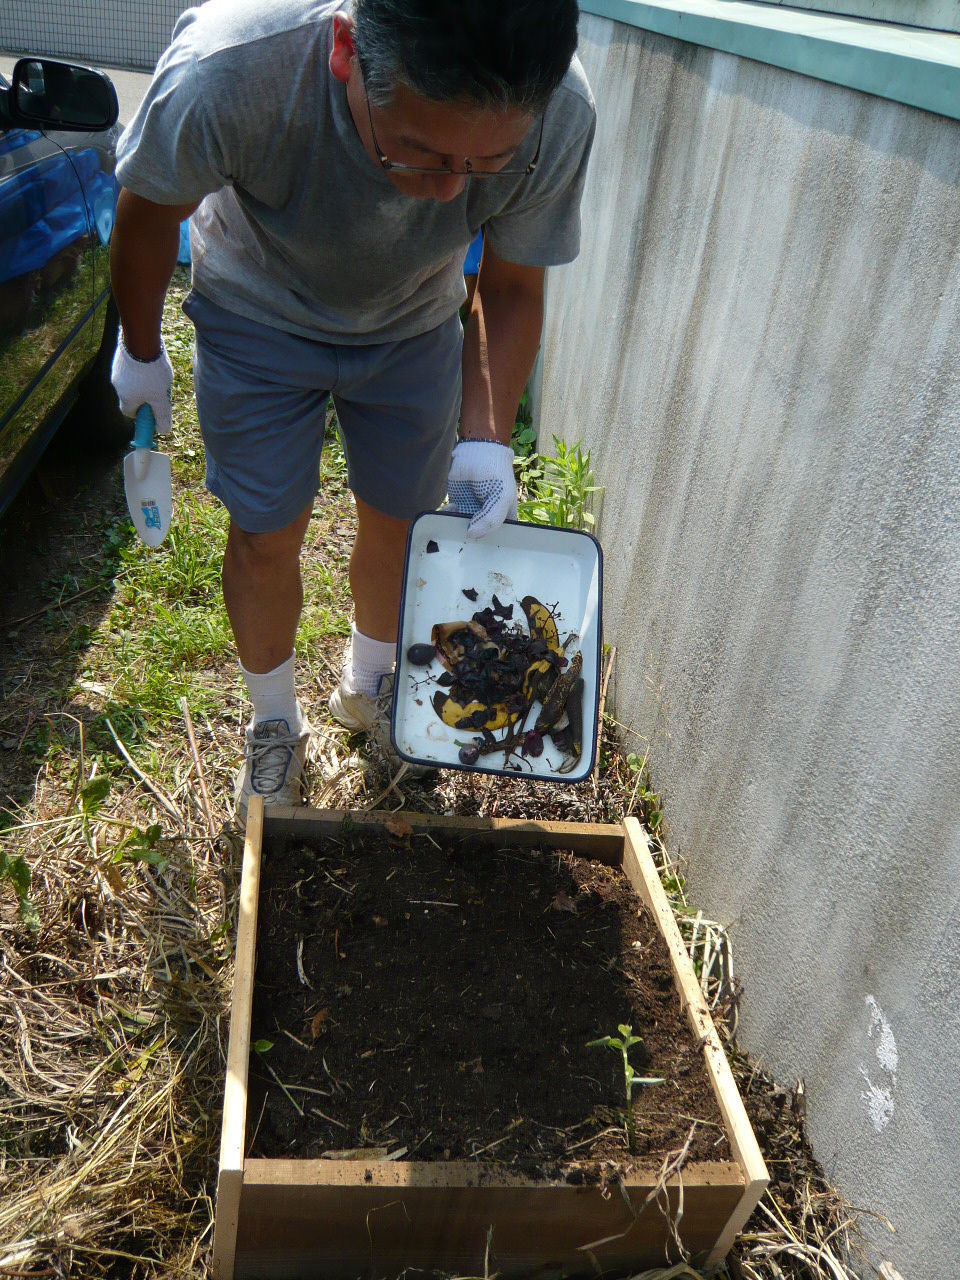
[(58, 198)]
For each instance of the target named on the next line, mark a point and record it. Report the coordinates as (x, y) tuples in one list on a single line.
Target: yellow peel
[(541, 623)]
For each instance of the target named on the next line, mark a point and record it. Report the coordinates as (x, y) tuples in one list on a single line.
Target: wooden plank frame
[(639, 868), (331, 1219)]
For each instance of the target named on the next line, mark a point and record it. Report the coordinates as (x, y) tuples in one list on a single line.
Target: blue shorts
[(261, 400)]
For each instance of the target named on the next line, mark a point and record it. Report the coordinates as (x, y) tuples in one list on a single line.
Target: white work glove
[(138, 382), (482, 484)]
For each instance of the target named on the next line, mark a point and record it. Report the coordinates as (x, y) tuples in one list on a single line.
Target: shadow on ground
[(59, 548)]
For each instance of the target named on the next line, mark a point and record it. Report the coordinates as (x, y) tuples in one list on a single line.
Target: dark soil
[(445, 1003)]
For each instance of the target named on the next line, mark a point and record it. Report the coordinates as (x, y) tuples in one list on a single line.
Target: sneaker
[(356, 711), (362, 713), (273, 763)]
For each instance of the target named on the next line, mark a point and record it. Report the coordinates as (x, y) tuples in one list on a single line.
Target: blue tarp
[(471, 264)]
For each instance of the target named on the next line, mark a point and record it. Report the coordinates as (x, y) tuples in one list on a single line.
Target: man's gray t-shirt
[(300, 229)]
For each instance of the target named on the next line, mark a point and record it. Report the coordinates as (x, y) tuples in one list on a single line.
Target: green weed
[(524, 437), (651, 809), (557, 490), (17, 874), (139, 846)]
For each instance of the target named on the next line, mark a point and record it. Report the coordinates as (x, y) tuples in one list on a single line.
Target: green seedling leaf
[(629, 1077), (17, 872), (138, 846), (93, 794), (262, 1046), (29, 916)]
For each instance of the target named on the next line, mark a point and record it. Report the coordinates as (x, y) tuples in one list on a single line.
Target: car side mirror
[(45, 94)]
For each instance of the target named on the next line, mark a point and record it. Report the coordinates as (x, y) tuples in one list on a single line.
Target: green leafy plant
[(556, 490), (650, 806), (17, 874), (138, 846), (623, 1044), (93, 794), (524, 437)]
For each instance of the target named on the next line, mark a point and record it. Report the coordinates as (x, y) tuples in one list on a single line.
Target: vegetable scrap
[(496, 671)]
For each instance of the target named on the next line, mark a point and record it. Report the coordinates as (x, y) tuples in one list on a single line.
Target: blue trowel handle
[(144, 429)]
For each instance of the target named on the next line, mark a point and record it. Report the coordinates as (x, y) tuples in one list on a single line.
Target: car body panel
[(58, 196)]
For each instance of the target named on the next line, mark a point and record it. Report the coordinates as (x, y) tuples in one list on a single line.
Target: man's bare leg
[(264, 596), (263, 592), (376, 569)]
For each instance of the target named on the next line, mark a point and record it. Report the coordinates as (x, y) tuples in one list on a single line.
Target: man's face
[(415, 131)]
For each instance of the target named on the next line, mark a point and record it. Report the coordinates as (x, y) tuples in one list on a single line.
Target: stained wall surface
[(759, 343)]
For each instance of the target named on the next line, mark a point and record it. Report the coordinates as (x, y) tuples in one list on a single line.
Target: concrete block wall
[(759, 344)]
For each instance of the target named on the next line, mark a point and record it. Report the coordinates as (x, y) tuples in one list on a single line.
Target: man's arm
[(500, 344), (143, 254)]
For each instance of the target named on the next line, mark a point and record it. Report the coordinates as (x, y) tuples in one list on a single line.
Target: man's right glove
[(138, 382), (482, 484)]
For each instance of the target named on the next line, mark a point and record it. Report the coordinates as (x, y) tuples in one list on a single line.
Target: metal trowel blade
[(149, 490)]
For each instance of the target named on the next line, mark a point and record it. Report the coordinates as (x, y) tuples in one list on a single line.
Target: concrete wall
[(940, 15), (120, 33), (759, 342)]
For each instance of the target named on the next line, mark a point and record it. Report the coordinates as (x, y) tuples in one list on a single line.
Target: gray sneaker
[(371, 715), (273, 764), (380, 733), (354, 710)]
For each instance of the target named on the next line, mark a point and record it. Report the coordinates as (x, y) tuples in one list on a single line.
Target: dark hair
[(497, 53)]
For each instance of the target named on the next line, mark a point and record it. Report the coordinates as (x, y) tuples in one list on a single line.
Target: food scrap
[(496, 671)]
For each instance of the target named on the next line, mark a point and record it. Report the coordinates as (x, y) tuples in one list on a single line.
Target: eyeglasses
[(468, 171)]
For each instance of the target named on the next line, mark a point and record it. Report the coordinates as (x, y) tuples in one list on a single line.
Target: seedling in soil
[(624, 1043)]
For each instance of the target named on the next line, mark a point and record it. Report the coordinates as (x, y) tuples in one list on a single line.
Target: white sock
[(273, 695), (368, 660)]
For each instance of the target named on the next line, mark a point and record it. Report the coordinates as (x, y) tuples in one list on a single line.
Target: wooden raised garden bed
[(361, 1212)]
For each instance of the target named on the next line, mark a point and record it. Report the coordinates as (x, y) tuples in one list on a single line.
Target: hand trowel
[(146, 482)]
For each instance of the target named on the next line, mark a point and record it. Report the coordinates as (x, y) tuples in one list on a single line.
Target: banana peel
[(541, 623), (555, 702), (574, 716), (449, 649), (472, 715), (538, 680)]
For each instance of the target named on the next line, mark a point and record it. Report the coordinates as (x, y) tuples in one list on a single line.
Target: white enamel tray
[(561, 567)]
